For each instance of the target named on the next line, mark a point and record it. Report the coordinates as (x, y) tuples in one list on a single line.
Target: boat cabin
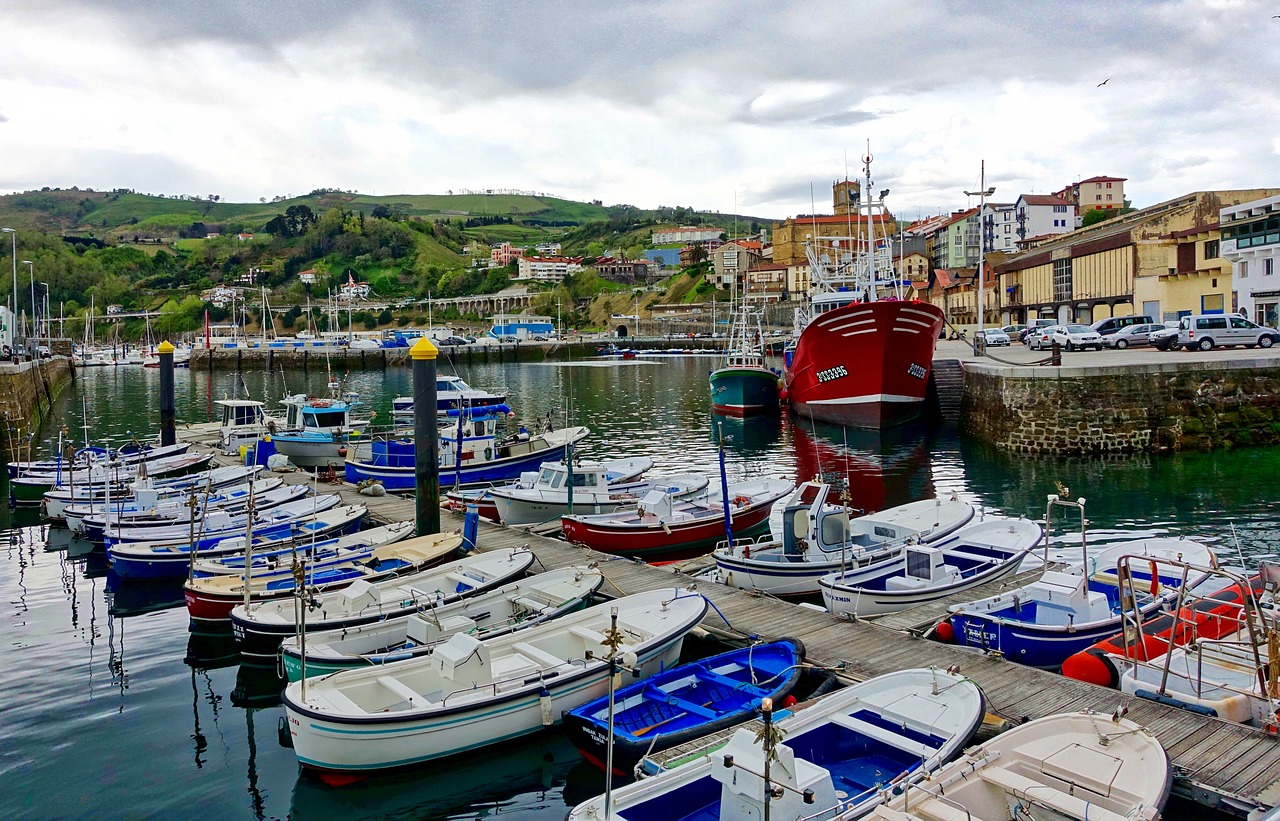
[(310, 414), (554, 476)]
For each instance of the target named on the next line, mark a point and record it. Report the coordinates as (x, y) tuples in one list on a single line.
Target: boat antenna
[(871, 243)]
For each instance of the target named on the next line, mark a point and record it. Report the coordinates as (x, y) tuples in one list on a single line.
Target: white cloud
[(648, 103)]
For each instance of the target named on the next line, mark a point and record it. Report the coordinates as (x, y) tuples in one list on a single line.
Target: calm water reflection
[(111, 708)]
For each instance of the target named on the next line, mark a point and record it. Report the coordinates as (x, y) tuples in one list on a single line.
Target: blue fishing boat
[(837, 758), (1064, 612), (744, 385), (451, 393), (470, 454), (684, 703), (318, 431)]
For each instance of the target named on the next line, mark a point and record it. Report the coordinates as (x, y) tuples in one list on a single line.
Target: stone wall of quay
[(27, 390), (1123, 408)]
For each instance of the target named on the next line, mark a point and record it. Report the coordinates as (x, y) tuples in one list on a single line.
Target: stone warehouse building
[(1164, 261)]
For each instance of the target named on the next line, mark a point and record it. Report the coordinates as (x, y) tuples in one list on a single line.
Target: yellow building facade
[(1162, 261)]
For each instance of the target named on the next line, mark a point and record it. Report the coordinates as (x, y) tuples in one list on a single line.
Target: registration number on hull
[(918, 371), (832, 373)]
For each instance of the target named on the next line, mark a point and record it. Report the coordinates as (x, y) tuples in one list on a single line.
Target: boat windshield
[(324, 419)]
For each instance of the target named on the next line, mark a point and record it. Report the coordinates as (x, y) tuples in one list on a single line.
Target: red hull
[(865, 364), (651, 539)]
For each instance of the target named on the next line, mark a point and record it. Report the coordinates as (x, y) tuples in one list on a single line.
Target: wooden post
[(426, 444)]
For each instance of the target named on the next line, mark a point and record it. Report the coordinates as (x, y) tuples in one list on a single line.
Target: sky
[(723, 105)]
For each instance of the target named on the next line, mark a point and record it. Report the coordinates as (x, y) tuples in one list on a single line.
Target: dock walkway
[(1226, 766)]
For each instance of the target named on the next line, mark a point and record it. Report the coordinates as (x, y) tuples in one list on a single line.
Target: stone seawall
[(1123, 408), (26, 392)]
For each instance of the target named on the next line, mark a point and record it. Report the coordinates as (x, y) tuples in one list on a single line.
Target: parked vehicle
[(1038, 339), (1165, 337), (1114, 324), (1076, 337), (1014, 331), (1207, 332), (1131, 336), (993, 337), (1036, 325)]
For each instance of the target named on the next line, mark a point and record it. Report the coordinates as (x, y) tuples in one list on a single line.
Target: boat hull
[(401, 479), (864, 364), (646, 540), (744, 391)]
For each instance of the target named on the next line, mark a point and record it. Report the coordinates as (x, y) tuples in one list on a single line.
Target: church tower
[(844, 197)]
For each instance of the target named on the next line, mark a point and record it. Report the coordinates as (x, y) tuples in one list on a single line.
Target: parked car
[(1131, 336), (1014, 331), (993, 337), (1165, 338), (1112, 324), (1076, 337), (1036, 325), (1207, 332), (1040, 338), (453, 340)]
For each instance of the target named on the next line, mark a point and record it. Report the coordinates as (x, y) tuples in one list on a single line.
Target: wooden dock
[(1226, 766)]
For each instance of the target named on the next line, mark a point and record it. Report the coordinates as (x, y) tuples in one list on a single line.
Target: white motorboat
[(515, 606), (547, 497), (259, 628), (470, 693), (972, 556), (819, 538), (1078, 766), (837, 758)]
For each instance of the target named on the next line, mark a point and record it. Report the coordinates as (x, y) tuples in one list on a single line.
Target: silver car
[(1130, 336), (1040, 338), (1076, 337), (1205, 332)]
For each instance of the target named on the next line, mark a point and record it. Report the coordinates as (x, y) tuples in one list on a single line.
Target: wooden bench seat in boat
[(398, 687), (882, 735), (1046, 795)]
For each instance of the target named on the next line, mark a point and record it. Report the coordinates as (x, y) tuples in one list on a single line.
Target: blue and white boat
[(318, 431), (684, 703), (451, 393), (55, 502), (217, 524), (89, 521), (838, 758), (1064, 612), (819, 538), (745, 385), (470, 454), (923, 573), (172, 560)]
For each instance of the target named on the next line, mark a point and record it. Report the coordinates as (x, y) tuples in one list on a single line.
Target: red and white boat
[(863, 350), (665, 527)]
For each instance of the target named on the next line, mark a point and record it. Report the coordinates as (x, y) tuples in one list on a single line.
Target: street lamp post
[(44, 311), (13, 306), (31, 277), (982, 193)]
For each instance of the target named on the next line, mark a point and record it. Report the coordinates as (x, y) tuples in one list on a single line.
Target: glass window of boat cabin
[(325, 419)]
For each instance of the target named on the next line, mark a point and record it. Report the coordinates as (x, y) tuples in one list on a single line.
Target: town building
[(1095, 193), (1163, 261), (1037, 216), (791, 236), (999, 226), (503, 254), (731, 262), (766, 282), (627, 270), (1251, 243), (686, 233), (547, 249), (546, 269)]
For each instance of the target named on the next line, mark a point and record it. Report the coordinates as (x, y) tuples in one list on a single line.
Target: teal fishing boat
[(745, 386)]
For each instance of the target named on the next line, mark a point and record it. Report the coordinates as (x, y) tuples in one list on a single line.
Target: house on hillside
[(639, 271)]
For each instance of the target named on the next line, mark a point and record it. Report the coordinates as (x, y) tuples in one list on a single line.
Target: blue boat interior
[(857, 764)]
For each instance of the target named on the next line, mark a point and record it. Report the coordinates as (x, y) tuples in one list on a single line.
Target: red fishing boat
[(666, 527), (863, 352)]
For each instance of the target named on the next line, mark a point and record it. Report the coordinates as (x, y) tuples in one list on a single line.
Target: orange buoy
[(945, 632)]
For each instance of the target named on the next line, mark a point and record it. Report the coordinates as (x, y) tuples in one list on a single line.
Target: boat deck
[(1218, 764)]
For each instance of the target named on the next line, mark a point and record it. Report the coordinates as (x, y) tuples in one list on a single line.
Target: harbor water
[(112, 709)]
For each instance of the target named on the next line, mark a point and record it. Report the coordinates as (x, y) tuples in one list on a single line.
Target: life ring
[(742, 501)]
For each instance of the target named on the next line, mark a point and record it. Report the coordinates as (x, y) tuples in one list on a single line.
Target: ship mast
[(871, 234)]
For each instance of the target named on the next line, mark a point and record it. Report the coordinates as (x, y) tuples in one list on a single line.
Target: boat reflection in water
[(875, 469), (745, 434), (211, 651), (523, 778), (257, 686), (125, 599)]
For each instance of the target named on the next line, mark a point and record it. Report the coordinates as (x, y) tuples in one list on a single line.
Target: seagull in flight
[(1104, 82)]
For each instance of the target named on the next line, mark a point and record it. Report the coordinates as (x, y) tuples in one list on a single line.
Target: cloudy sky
[(698, 102)]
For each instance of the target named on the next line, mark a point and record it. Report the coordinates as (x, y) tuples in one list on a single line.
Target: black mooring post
[(426, 443), (168, 422)]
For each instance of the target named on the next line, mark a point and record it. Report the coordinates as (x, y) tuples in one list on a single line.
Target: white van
[(1205, 332)]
